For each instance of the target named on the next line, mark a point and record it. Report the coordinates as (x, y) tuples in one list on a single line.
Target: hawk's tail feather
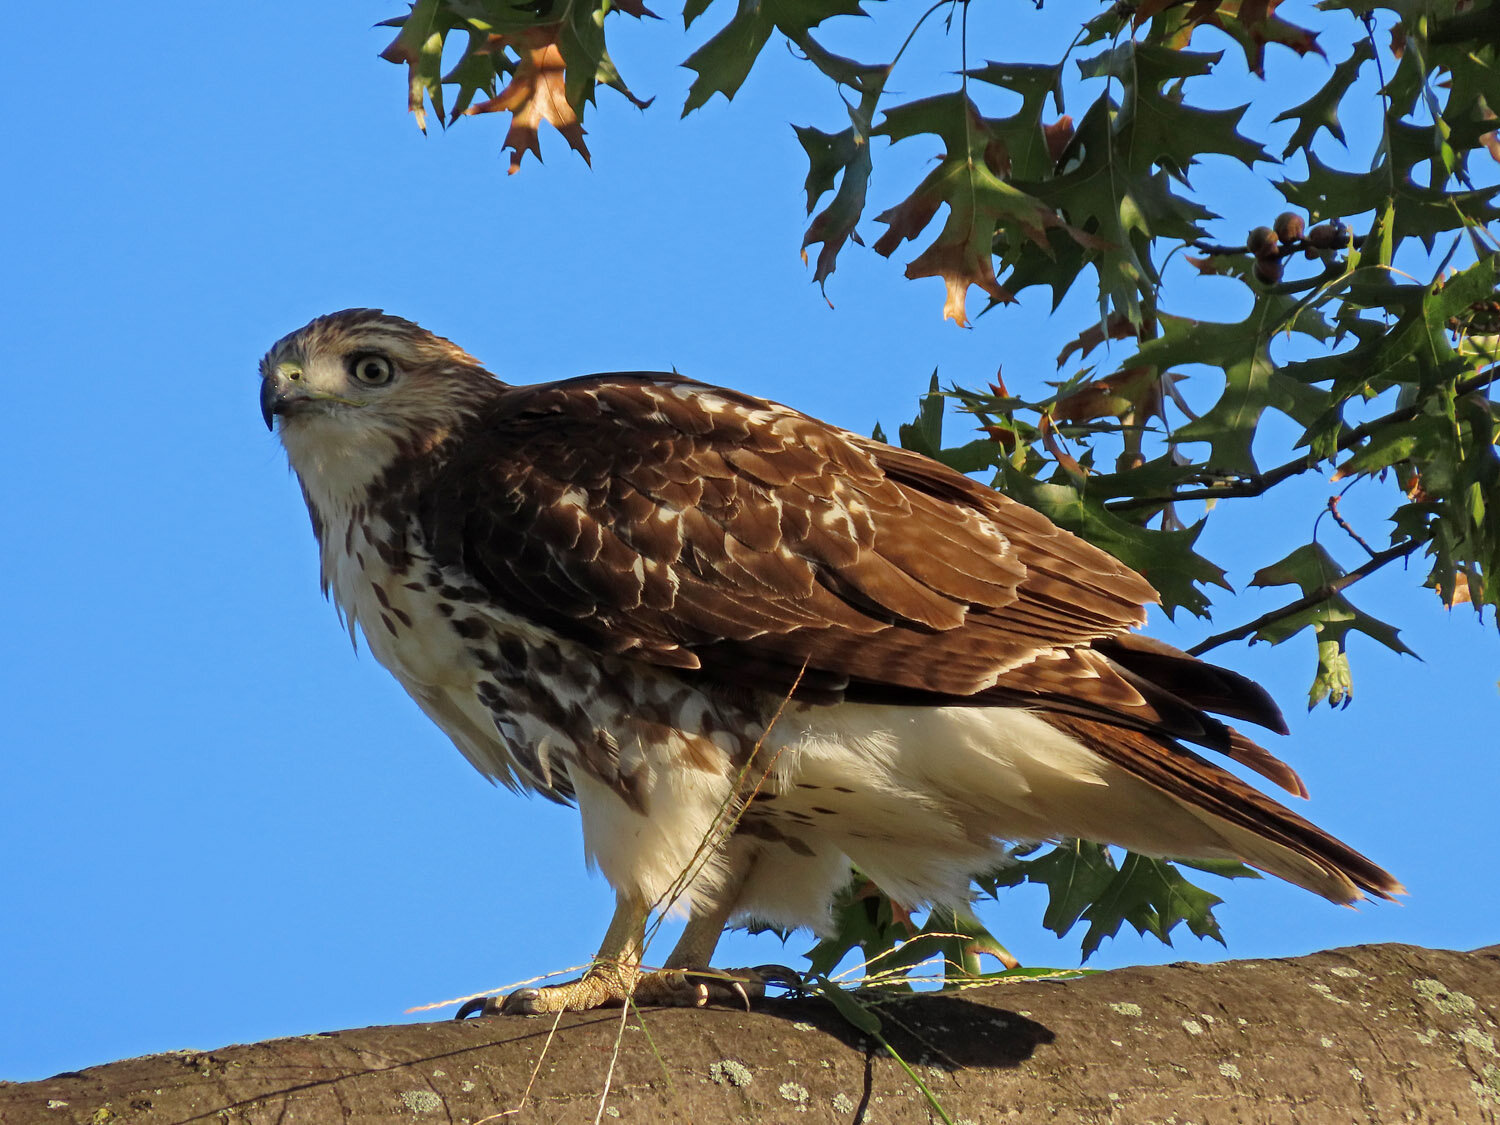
[(1254, 828), (1262, 761)]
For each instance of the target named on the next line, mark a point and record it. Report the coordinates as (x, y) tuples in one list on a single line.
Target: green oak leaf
[(1312, 569), (419, 45), (1027, 154), (1084, 884), (864, 919), (1419, 212), (845, 155), (1155, 898), (1321, 111), (970, 180), (1156, 126), (724, 62), (1075, 873), (1252, 380)]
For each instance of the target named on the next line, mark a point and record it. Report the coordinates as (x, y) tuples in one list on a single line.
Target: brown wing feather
[(707, 517), (710, 531)]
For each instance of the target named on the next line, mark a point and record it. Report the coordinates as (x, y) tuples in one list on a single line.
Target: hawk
[(753, 648)]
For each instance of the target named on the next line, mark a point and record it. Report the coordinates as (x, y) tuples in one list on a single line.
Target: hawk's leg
[(686, 980), (610, 980), (615, 976)]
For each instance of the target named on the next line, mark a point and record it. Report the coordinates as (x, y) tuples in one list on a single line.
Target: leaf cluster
[(536, 61), (1085, 884)]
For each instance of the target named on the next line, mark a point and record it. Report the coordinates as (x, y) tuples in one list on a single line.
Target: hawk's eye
[(370, 369)]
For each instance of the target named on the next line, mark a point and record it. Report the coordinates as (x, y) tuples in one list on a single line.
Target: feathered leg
[(615, 975), (609, 981), (686, 980)]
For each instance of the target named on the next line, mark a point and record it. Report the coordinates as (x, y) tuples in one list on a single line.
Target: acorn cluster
[(1274, 244)]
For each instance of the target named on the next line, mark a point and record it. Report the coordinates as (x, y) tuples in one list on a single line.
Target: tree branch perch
[(1375, 1033)]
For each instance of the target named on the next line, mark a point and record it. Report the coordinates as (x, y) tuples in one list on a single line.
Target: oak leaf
[(724, 62), (1117, 327), (1251, 23), (1059, 134), (845, 155), (1134, 390), (536, 92), (419, 46), (981, 204)]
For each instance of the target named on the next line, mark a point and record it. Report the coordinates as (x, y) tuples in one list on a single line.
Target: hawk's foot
[(604, 986), (698, 988)]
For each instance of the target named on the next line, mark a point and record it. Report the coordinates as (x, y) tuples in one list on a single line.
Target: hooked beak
[(270, 400), (281, 391)]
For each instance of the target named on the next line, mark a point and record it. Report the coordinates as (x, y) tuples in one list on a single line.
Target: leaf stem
[(916, 27), (1338, 518)]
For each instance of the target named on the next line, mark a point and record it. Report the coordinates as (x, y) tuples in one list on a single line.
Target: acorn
[(1262, 242), (1326, 236), (1289, 226), (1268, 270)]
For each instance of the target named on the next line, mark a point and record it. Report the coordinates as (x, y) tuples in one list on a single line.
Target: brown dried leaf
[(1058, 136), (997, 158), (1117, 327), (1059, 454), (1133, 390), (536, 93), (1461, 594), (959, 265), (1253, 23), (1148, 10), (1489, 140), (906, 220), (1004, 436)]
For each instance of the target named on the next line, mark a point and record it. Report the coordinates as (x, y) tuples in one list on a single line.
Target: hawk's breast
[(527, 707)]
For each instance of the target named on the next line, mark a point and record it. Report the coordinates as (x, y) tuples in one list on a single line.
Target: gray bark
[(1385, 1033)]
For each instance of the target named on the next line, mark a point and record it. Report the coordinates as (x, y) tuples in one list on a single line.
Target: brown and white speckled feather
[(715, 532), (603, 588)]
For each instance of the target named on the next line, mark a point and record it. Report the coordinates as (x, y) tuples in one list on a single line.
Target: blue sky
[(218, 823)]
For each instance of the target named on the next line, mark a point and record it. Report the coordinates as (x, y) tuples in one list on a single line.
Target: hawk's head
[(357, 390)]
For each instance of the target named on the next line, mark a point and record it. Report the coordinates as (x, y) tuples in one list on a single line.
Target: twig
[(1322, 593), (1286, 247), (1262, 482), (1333, 510)]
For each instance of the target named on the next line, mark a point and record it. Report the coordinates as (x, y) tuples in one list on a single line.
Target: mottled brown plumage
[(606, 589)]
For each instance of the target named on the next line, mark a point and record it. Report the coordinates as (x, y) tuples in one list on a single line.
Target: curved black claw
[(521, 1002), (480, 1005), (781, 976)]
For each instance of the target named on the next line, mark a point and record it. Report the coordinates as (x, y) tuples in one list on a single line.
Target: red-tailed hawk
[(752, 647)]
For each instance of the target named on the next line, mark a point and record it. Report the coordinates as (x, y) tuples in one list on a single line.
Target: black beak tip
[(268, 398)]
